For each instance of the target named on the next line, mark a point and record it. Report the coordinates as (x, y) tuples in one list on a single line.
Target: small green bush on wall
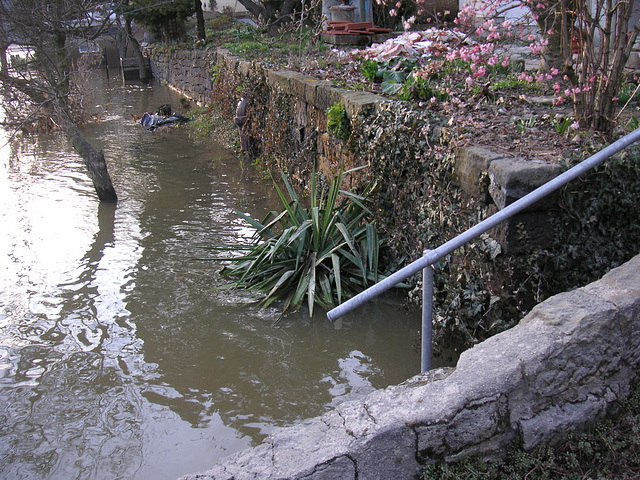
[(338, 122)]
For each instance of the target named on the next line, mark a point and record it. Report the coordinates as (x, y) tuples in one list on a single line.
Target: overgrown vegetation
[(338, 122), (609, 450), (323, 253), (479, 291), (599, 223)]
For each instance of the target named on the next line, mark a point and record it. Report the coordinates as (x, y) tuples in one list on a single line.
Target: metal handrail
[(430, 257)]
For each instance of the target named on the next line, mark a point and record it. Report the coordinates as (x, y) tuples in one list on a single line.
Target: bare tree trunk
[(45, 28), (258, 10), (142, 67), (556, 21), (200, 20), (94, 161), (4, 64)]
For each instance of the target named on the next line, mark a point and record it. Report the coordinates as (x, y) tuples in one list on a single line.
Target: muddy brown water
[(119, 358)]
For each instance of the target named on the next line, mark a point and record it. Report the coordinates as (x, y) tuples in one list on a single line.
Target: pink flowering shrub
[(583, 49)]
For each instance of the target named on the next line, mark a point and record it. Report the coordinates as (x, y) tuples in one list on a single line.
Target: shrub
[(324, 253), (337, 121)]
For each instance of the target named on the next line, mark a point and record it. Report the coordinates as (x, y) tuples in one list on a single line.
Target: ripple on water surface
[(120, 356)]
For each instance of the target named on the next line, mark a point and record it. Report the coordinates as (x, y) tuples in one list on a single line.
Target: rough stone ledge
[(555, 372)]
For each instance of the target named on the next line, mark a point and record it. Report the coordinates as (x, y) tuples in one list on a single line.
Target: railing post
[(427, 316)]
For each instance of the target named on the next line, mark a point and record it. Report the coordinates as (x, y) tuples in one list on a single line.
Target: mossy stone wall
[(426, 190)]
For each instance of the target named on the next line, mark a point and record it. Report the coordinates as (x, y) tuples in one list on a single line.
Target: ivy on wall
[(599, 228), (421, 206), (479, 291)]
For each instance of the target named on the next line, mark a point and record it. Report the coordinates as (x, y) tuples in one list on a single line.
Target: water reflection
[(119, 357)]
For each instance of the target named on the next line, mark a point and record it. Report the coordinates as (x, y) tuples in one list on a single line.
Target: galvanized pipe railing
[(430, 257)]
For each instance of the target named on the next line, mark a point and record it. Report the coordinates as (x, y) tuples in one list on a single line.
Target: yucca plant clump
[(323, 253)]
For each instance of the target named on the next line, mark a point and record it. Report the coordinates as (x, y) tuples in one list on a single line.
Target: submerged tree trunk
[(48, 85), (94, 161), (4, 64)]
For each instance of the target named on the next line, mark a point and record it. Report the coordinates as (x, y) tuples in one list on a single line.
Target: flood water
[(119, 357)]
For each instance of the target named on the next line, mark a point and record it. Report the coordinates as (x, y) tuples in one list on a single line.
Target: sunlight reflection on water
[(119, 356)]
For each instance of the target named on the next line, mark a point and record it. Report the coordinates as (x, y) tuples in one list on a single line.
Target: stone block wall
[(556, 372), (500, 180), (494, 178), (188, 71)]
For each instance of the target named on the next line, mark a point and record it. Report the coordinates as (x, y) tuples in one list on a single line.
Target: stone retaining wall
[(558, 370), (190, 72), (555, 372), (273, 129)]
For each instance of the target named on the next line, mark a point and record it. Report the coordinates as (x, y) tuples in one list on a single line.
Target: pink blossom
[(480, 72), (407, 24), (536, 48), (553, 71), (469, 81)]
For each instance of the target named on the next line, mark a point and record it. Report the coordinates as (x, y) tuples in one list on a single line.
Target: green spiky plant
[(324, 253)]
